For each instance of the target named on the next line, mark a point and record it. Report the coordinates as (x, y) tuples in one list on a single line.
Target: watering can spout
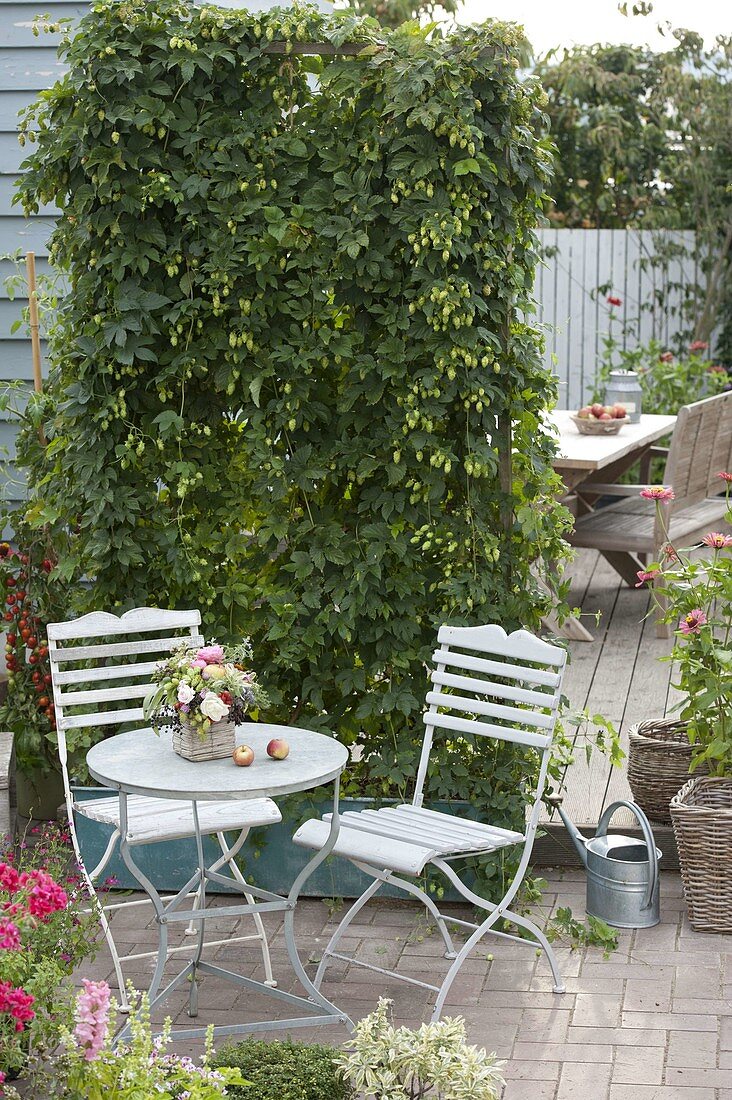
[(555, 800)]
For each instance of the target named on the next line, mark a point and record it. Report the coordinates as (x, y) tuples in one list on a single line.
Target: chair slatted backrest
[(488, 683), (701, 447), (95, 667)]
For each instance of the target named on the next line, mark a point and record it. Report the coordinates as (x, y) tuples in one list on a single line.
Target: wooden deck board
[(618, 675)]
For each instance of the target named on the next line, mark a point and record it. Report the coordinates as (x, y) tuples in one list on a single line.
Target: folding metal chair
[(77, 671), (486, 684)]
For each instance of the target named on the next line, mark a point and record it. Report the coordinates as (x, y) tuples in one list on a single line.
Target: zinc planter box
[(269, 859)]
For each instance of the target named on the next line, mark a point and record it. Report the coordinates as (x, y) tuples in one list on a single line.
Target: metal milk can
[(623, 388), (622, 872)]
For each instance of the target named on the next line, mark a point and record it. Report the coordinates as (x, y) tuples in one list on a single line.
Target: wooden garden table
[(143, 763), (582, 456)]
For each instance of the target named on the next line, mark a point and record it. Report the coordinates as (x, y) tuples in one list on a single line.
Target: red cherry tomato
[(43, 701), (33, 659), (10, 581), (43, 651), (8, 616), (10, 598), (31, 641), (21, 594), (12, 639), (47, 678)]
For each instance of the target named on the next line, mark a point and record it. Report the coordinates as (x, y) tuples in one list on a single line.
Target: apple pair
[(277, 749)]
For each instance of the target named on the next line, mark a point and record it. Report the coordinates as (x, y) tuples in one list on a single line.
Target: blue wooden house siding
[(28, 64)]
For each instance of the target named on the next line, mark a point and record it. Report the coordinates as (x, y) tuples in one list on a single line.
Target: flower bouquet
[(201, 695)]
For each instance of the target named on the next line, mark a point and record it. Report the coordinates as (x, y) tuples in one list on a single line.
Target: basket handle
[(647, 836)]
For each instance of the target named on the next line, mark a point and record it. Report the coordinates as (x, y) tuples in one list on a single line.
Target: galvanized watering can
[(622, 872)]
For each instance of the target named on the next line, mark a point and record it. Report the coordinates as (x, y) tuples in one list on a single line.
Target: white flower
[(185, 693), (213, 708)]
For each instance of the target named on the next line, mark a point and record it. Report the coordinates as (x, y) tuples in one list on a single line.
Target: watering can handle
[(647, 836)]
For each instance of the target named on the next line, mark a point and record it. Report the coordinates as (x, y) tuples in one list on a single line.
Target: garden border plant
[(294, 381)]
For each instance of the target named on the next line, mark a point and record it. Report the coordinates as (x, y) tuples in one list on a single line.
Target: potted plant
[(697, 597), (201, 695)]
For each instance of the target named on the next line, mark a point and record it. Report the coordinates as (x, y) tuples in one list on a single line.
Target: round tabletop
[(141, 762)]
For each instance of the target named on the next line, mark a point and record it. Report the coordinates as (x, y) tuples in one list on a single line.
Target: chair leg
[(355, 909), (229, 858), (412, 888), (88, 879)]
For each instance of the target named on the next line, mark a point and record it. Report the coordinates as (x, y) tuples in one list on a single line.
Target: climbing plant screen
[(286, 376)]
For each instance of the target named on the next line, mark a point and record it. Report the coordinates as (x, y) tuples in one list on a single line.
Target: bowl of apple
[(600, 419)]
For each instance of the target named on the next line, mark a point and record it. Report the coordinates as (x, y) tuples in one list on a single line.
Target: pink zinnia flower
[(612, 300), (658, 492), (211, 654), (717, 540), (669, 553), (724, 476), (92, 1017), (693, 622), (9, 935), (698, 345), (645, 575), (46, 896), (666, 357)]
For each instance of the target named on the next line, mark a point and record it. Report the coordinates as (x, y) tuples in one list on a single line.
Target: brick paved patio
[(654, 1022)]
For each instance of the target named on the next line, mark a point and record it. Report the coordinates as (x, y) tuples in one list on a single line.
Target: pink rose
[(210, 654)]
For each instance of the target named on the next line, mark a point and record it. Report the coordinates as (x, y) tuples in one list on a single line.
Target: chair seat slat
[(423, 816), (489, 687), (486, 729), (490, 710), (159, 818), (122, 649), (496, 668), (378, 823)]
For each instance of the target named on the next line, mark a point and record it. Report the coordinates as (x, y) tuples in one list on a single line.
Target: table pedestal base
[(319, 1009)]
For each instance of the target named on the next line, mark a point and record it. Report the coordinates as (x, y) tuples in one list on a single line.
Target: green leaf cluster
[(284, 1071), (295, 377)]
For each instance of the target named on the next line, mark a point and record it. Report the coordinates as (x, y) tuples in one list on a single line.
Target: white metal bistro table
[(142, 763)]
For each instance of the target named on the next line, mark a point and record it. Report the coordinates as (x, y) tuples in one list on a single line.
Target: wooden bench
[(631, 531)]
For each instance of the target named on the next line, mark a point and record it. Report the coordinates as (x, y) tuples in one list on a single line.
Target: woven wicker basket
[(702, 818), (217, 743), (658, 765)]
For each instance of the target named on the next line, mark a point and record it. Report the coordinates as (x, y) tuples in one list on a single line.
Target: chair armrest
[(608, 489)]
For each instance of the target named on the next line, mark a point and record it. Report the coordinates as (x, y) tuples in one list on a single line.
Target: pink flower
[(666, 357), (45, 896), (724, 476), (210, 654), (717, 540), (16, 1003), (645, 575), (198, 663), (693, 622), (698, 345), (612, 300), (2, 1077), (9, 935), (8, 878), (92, 1017), (658, 492)]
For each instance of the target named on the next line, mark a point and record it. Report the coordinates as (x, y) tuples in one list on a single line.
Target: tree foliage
[(283, 380), (644, 140)]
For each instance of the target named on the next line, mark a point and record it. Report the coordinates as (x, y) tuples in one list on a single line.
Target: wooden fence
[(581, 269)]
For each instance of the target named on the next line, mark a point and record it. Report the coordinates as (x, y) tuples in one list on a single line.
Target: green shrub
[(285, 1071)]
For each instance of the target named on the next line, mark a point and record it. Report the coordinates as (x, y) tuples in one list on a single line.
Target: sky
[(551, 23)]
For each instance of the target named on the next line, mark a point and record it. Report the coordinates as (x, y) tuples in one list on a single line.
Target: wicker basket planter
[(701, 813), (658, 765), (216, 744)]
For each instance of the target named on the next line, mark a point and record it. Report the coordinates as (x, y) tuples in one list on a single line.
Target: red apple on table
[(278, 748), (243, 756), (619, 412), (604, 416), (585, 413), (597, 410)]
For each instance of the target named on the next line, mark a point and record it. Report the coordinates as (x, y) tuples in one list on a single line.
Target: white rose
[(213, 708), (185, 693)]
